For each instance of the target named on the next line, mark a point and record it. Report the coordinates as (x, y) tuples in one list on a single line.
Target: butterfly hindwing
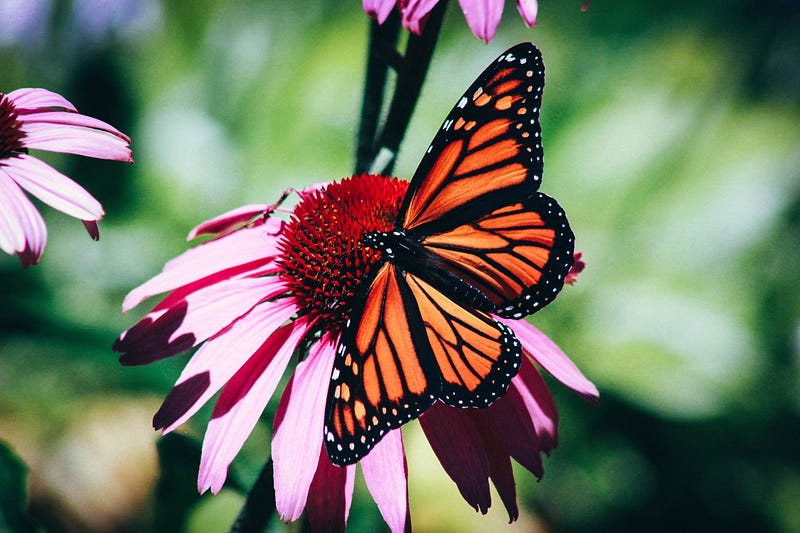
[(518, 255), (488, 149)]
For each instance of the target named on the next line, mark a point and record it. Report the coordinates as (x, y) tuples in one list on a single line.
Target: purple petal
[(241, 403), (329, 496), (500, 470), (246, 248), (414, 12), (227, 221), (92, 229), (549, 355), (386, 475), (223, 356), (39, 98), (298, 438), (179, 323), (22, 229), (379, 9), (76, 140), (53, 188), (455, 440), (483, 16), (528, 9)]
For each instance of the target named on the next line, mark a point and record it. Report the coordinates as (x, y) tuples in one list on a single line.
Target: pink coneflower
[(42, 120), (263, 289), (483, 16)]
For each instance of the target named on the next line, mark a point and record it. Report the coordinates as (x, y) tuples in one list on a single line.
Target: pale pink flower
[(42, 120), (483, 16), (262, 290)]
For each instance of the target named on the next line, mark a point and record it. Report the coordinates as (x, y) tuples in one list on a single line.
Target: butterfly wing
[(406, 345), (487, 153)]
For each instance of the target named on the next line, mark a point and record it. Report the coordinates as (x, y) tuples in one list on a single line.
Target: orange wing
[(488, 149), (517, 255), (407, 345)]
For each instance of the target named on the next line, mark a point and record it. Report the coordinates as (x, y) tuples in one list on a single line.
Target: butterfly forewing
[(517, 255), (488, 149)]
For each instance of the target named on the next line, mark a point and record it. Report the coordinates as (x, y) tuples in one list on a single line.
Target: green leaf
[(13, 495)]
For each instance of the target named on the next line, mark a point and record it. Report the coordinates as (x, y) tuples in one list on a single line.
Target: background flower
[(43, 120)]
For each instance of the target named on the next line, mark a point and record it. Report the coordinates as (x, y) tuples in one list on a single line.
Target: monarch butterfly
[(473, 238)]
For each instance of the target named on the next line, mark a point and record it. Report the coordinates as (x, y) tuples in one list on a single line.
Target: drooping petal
[(227, 221), (39, 98), (414, 13), (551, 358), (183, 321), (483, 16), (92, 229), (386, 475), (329, 496), (22, 229), (53, 188), (298, 434), (379, 9), (219, 359), (69, 119), (241, 403), (212, 261), (500, 470), (76, 140), (539, 404), (528, 9), (457, 444)]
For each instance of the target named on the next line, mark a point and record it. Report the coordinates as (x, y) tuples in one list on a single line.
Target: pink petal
[(379, 9), (53, 188), (297, 440), (76, 140), (539, 404), (330, 495), (241, 403), (69, 119), (22, 229), (179, 323), (414, 12), (219, 359), (483, 16), (500, 470), (386, 475), (239, 251), (227, 221), (455, 440), (528, 9), (549, 355), (39, 98)]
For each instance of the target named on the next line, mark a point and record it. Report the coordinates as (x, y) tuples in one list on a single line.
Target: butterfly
[(473, 239)]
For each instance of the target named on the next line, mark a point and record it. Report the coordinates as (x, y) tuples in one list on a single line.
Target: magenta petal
[(414, 12), (241, 403), (298, 438), (227, 221), (221, 357), (329, 496), (378, 9), (386, 475), (76, 140), (539, 404), (483, 16), (240, 251), (92, 229), (500, 470), (455, 440), (39, 98), (528, 9), (53, 188), (179, 323), (549, 355), (22, 229)]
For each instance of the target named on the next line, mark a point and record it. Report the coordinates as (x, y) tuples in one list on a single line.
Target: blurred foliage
[(672, 136)]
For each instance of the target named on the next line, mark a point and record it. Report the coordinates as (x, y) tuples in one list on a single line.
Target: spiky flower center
[(10, 134), (323, 259)]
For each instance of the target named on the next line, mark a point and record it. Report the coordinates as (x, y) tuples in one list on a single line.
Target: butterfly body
[(473, 238)]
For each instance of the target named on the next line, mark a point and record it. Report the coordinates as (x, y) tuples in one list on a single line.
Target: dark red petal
[(500, 471), (180, 399), (149, 340), (325, 505), (455, 440)]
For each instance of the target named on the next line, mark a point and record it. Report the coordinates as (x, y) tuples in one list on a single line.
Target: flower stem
[(411, 71), (259, 506)]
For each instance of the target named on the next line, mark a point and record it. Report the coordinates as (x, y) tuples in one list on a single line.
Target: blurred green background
[(672, 139)]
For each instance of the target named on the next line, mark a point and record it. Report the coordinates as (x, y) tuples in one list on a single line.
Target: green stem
[(259, 506)]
